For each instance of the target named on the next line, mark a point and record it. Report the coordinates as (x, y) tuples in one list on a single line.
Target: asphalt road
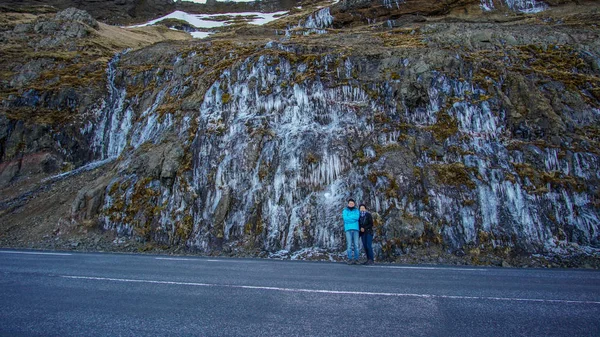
[(77, 294)]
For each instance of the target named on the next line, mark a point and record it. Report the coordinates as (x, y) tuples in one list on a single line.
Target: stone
[(222, 207), (89, 200), (22, 28), (46, 27), (482, 36), (171, 162), (74, 14), (74, 30), (8, 172)]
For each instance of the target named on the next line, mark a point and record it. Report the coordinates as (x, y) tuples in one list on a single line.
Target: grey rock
[(74, 30), (421, 67), (8, 172), (46, 27), (222, 207), (482, 36), (74, 14), (510, 40), (22, 28), (29, 72), (89, 200), (171, 162)]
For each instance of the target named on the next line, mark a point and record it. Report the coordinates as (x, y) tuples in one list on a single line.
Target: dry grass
[(135, 38)]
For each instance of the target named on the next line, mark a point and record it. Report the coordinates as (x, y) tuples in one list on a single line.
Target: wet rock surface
[(472, 137)]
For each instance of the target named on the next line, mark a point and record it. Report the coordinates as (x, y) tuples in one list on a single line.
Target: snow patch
[(204, 1), (209, 21)]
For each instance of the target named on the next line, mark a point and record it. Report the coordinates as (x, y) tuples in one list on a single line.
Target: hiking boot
[(349, 262), (370, 262), (354, 261)]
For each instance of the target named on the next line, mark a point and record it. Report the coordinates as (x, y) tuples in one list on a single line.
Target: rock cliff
[(470, 128)]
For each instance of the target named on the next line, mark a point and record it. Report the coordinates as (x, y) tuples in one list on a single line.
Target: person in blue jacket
[(351, 214)]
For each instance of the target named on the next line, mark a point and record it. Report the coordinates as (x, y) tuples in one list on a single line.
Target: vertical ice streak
[(487, 5), (114, 117), (393, 3)]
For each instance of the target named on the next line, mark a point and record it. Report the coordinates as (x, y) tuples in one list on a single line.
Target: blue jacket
[(351, 219)]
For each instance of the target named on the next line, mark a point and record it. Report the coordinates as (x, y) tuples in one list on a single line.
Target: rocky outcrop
[(111, 11), (65, 26), (133, 11), (54, 72), (77, 15), (398, 12)]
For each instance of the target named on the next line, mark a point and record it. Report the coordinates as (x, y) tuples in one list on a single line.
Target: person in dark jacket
[(365, 221)]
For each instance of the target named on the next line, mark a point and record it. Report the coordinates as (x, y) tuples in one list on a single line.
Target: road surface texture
[(85, 294)]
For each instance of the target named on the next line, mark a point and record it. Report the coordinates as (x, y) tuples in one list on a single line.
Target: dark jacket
[(366, 222)]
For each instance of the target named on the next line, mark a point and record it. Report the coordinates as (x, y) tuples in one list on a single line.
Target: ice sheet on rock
[(319, 20), (153, 127), (272, 150), (315, 23), (586, 165), (84, 168), (526, 6), (293, 120), (522, 6), (150, 125)]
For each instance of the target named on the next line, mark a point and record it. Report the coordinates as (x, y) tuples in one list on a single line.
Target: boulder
[(77, 15), (89, 200)]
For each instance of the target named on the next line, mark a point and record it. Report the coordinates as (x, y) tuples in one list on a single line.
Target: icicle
[(487, 5), (393, 3), (526, 6)]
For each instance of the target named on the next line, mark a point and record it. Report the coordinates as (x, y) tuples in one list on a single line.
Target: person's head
[(362, 208), (351, 203)]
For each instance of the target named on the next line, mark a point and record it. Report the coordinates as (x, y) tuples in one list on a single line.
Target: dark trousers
[(367, 241)]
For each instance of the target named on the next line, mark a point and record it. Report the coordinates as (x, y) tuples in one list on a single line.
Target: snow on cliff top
[(207, 21), (204, 1)]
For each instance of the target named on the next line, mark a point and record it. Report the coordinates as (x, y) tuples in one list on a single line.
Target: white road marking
[(33, 253), (230, 261), (200, 260), (335, 292), (379, 266), (174, 259), (429, 268)]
